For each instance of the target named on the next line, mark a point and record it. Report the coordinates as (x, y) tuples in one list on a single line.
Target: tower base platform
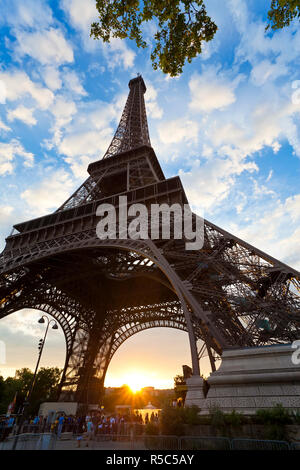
[(247, 380)]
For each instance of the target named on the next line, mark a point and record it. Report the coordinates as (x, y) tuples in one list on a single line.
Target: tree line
[(45, 388)]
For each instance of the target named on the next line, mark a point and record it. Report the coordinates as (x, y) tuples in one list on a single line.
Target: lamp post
[(41, 347), (29, 393)]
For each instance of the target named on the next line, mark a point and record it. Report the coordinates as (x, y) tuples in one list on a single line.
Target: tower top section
[(132, 131), (139, 79)]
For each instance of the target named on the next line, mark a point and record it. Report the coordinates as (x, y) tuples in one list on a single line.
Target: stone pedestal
[(249, 379), (195, 391)]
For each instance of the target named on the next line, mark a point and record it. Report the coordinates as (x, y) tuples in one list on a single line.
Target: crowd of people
[(6, 426), (116, 424), (98, 423), (88, 426)]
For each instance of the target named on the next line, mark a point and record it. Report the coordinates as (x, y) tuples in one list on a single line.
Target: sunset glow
[(136, 380)]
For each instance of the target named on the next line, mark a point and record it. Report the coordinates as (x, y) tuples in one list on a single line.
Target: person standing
[(61, 420), (89, 431), (9, 426), (112, 422)]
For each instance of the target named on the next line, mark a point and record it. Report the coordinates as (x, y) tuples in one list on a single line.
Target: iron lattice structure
[(226, 295)]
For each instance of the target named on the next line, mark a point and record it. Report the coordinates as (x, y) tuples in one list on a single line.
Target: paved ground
[(108, 445), (72, 444)]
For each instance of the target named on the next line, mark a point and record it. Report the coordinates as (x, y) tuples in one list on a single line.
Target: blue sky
[(229, 125)]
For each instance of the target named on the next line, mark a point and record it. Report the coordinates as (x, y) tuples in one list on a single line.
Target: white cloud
[(9, 151), (211, 90), (79, 166), (21, 331), (8, 217), (208, 184), (26, 14), (288, 248), (117, 53), (269, 54), (23, 114), (51, 192), (153, 108), (260, 190), (269, 176), (177, 131), (275, 229), (5, 213), (4, 127), (81, 17), (87, 143), (255, 43), (2, 92), (82, 133), (52, 78), (48, 47), (263, 120), (24, 322), (63, 110), (266, 71), (95, 69), (276, 146), (292, 207), (19, 85), (72, 82)]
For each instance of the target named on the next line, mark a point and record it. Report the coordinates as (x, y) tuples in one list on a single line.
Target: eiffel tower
[(228, 294)]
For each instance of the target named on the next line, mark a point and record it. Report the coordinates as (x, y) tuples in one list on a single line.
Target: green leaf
[(183, 26)]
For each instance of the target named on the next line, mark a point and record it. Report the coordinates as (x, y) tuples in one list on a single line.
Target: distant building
[(147, 394), (123, 409)]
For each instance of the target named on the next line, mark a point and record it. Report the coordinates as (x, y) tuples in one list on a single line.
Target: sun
[(136, 381)]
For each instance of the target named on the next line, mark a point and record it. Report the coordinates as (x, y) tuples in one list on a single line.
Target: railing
[(49, 441), (137, 442), (204, 443), (295, 446), (44, 428), (256, 444), (30, 441)]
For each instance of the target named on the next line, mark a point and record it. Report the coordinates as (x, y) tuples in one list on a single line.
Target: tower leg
[(192, 339)]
